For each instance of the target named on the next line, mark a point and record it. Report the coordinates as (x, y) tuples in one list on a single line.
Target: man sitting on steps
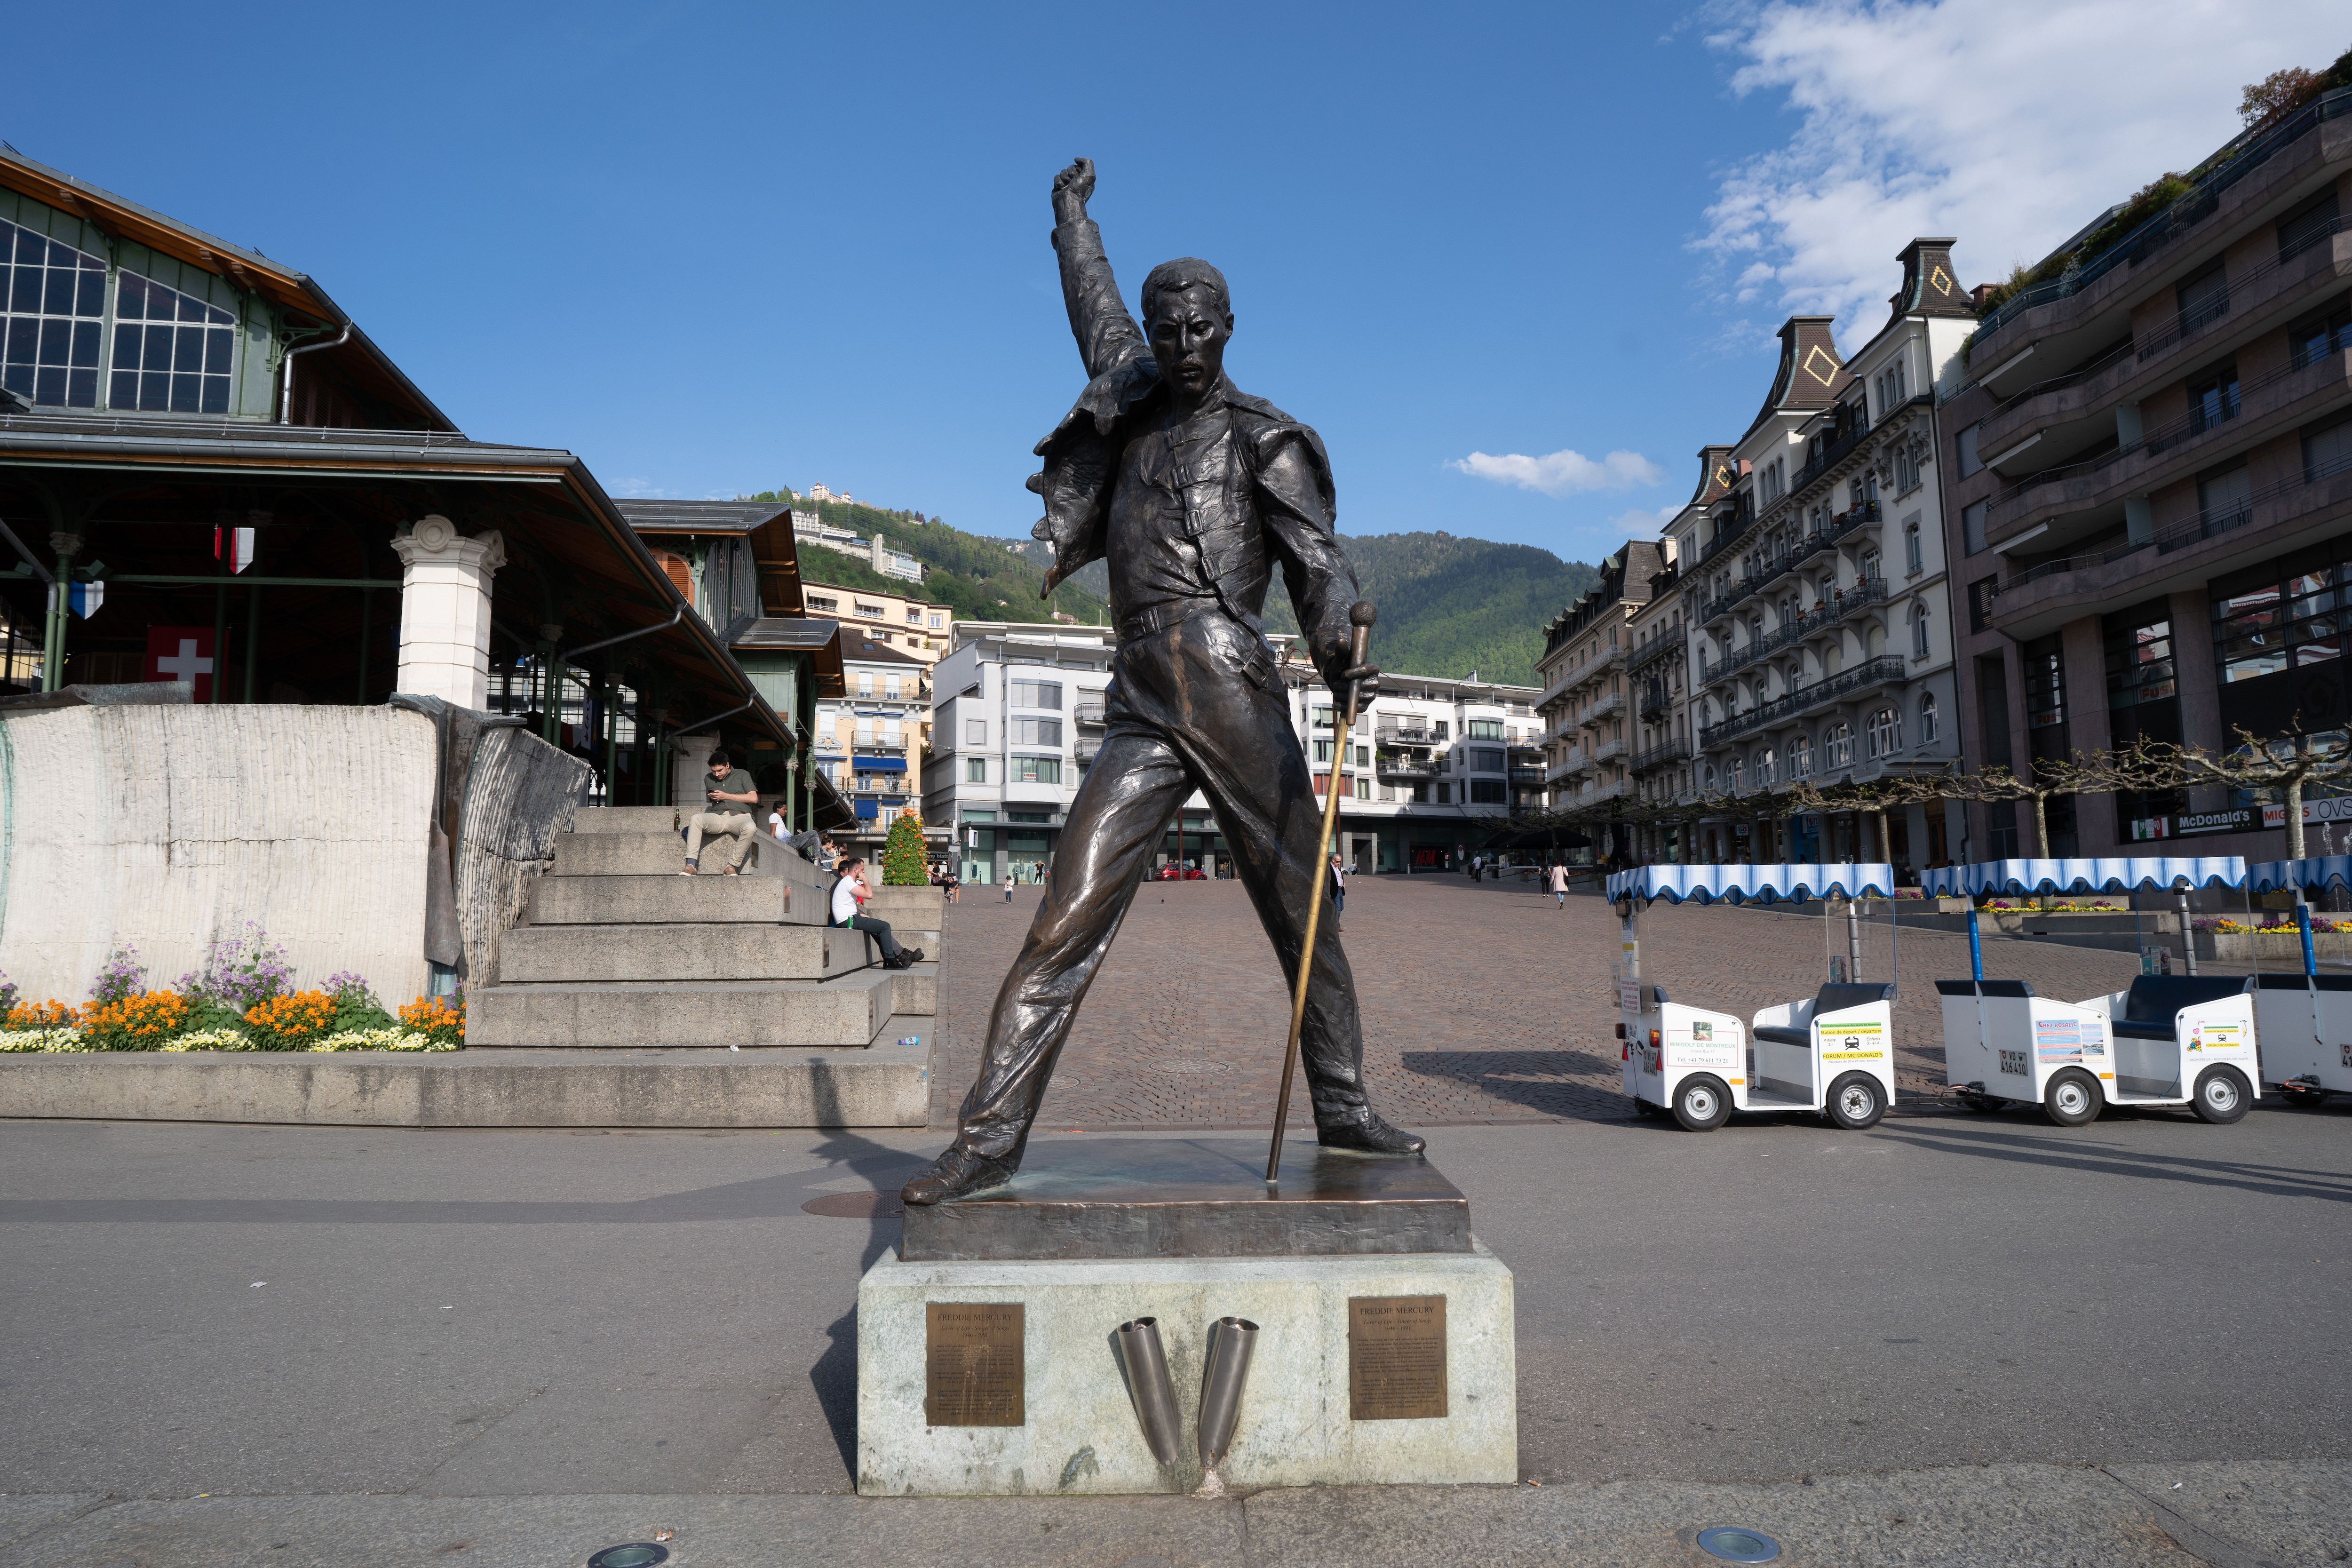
[(728, 815), (849, 893)]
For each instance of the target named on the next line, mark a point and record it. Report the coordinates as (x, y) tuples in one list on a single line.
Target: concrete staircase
[(617, 952)]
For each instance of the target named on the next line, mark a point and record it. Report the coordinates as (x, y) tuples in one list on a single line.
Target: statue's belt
[(1160, 617)]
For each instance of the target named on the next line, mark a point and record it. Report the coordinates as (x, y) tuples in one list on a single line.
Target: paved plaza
[(1483, 1002)]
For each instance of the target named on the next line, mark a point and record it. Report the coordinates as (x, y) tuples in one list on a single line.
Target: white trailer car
[(2168, 1039), (2305, 1019), (1832, 1052)]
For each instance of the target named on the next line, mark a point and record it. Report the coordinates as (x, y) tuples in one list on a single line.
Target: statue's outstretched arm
[(1098, 319)]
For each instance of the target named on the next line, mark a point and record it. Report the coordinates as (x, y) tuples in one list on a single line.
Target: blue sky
[(716, 249)]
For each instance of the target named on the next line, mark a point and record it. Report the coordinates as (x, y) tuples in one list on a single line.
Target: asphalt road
[(247, 1310)]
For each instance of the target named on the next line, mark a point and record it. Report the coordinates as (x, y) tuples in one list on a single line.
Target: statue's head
[(1187, 318)]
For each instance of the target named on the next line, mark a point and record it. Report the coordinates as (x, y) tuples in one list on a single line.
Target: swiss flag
[(182, 653)]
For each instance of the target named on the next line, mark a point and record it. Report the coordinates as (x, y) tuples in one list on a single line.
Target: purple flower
[(120, 977)]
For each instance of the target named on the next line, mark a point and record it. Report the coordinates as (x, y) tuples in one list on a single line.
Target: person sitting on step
[(729, 816), (850, 892)]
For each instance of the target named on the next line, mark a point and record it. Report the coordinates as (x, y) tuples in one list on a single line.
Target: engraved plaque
[(972, 1365), (1396, 1358)]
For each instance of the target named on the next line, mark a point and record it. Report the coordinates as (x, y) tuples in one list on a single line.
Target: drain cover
[(1734, 1546), (631, 1554)]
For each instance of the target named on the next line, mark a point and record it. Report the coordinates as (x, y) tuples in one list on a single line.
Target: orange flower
[(437, 1018), (49, 1015), (138, 1023), (290, 1022)]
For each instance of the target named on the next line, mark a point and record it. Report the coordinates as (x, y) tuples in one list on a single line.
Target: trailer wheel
[(1981, 1103), (1646, 1108), (2222, 1096), (1856, 1101), (2305, 1098), (2073, 1099), (1702, 1103)]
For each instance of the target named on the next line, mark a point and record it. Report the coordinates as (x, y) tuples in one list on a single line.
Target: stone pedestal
[(444, 612), (1110, 1244)]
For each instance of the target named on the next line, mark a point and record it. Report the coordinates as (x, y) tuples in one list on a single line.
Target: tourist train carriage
[(1832, 1052), (2168, 1039), (2304, 1019)]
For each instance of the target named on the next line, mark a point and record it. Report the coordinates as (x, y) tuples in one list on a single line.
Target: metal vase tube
[(1223, 1373), (1148, 1381)]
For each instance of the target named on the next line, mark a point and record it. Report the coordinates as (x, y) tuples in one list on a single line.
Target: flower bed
[(243, 999)]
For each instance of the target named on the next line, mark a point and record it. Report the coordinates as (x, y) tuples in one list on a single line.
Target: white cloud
[(1642, 522), (2008, 123), (1561, 473)]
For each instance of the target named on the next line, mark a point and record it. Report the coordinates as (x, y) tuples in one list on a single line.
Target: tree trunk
[(2041, 826), (2295, 817)]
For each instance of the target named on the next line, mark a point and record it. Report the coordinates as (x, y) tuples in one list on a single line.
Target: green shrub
[(903, 865)]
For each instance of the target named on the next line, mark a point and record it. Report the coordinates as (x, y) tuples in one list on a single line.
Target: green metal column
[(53, 633), (252, 638)]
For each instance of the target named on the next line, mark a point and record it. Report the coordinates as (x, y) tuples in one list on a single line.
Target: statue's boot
[(1369, 1136), (957, 1173)]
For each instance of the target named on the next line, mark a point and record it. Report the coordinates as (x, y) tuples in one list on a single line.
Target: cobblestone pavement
[(1483, 1002)]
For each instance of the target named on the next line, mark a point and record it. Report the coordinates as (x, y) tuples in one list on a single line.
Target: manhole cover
[(632, 1555), (854, 1205), (1736, 1545), (1187, 1065)]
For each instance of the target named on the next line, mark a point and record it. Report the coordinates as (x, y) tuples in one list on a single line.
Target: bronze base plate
[(1194, 1197)]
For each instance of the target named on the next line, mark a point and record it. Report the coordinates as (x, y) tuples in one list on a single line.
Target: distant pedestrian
[(729, 816), (1559, 877), (1477, 864), (777, 826), (1336, 875), (953, 883), (850, 891)]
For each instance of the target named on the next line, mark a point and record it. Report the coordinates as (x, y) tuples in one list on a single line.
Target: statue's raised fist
[(1072, 186)]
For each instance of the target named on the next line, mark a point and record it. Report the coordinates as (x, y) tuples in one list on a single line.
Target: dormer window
[(172, 352), (52, 311)]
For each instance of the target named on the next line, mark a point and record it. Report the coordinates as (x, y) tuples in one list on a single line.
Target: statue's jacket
[(1261, 492)]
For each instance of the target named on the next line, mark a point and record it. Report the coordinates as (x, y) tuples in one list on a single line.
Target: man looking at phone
[(728, 816)]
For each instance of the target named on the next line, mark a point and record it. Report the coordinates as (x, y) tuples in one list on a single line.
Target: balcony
[(1090, 714), (1660, 755), (1526, 778), (1405, 735), (1653, 652), (1836, 452), (1653, 704), (1088, 749), (1390, 765), (1559, 771), (882, 746), (1592, 713), (1880, 671), (1609, 751), (1852, 601)]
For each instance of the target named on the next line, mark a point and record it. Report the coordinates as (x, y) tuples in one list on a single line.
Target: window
[(975, 732), (1871, 571), (1706, 776), (1033, 731), (914, 618), (1907, 468), (2212, 398), (1486, 760), (2225, 500), (2328, 452), (2140, 658), (2203, 300), (2269, 618), (1483, 729), (1363, 756), (1443, 794), (1739, 775), (2322, 336), (1440, 730), (1885, 732), (1837, 746), (1914, 562), (866, 683), (1801, 758), (975, 770), (1919, 648), (2043, 661), (1034, 770), (52, 312), (1363, 789), (1035, 694), (1321, 720), (1965, 450), (890, 687), (1972, 524), (873, 611), (2306, 226), (1766, 765), (1929, 729), (1322, 751), (1487, 791), (827, 607), (938, 621)]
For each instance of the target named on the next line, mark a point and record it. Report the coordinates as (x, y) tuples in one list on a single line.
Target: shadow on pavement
[(1557, 1083), (2081, 1153)]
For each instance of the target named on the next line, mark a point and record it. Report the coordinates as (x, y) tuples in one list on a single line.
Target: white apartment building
[(1019, 717), (918, 627), (809, 528), (1814, 587)]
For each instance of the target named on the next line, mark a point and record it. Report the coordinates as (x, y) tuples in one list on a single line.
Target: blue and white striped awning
[(1741, 883), (2120, 874), (2315, 873)]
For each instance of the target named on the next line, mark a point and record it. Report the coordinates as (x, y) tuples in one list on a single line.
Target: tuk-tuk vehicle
[(2304, 1020), (2165, 1040), (1832, 1052)]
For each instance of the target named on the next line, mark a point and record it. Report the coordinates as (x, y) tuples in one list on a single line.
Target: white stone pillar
[(445, 611)]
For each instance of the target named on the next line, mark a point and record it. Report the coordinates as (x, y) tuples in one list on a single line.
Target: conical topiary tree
[(903, 865)]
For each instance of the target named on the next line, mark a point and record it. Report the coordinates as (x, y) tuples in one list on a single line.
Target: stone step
[(622, 819), (886, 1086), (663, 852), (542, 953), (855, 1010), (672, 900)]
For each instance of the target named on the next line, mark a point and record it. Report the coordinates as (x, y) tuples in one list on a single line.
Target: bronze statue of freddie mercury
[(1192, 491)]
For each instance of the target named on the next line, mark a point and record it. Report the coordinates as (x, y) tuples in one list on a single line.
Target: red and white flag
[(234, 544)]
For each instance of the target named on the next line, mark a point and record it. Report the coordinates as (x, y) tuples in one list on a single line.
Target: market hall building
[(209, 472)]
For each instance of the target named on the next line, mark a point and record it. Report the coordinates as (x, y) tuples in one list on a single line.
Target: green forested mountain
[(1448, 606)]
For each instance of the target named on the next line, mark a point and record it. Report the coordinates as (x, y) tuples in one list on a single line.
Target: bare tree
[(2284, 766), (2137, 767)]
